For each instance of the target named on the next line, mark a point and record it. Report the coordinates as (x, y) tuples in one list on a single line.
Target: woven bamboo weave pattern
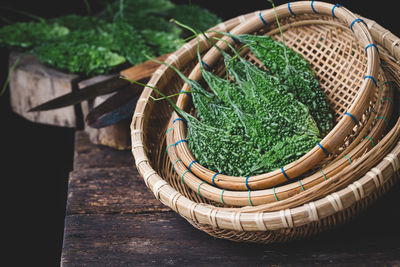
[(341, 69), (373, 149)]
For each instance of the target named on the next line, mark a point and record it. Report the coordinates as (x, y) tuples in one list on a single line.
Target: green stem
[(194, 33), (89, 10), (6, 21), (280, 30), (277, 20), (169, 96), (40, 19), (13, 66), (175, 107)]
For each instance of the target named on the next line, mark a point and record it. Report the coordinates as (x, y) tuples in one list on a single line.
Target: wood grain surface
[(33, 83), (112, 219)]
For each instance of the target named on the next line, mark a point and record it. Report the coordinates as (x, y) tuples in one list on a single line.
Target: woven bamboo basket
[(318, 208), (372, 133), (339, 63)]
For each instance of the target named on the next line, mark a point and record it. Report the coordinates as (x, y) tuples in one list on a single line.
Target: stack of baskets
[(355, 62)]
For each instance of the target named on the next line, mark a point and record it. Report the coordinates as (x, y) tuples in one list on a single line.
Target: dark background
[(36, 158)]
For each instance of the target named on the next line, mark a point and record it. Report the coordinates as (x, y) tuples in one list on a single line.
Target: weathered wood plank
[(109, 191), (88, 155), (114, 220), (153, 239)]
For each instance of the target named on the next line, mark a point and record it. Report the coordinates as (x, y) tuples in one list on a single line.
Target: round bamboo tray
[(328, 204), (339, 64)]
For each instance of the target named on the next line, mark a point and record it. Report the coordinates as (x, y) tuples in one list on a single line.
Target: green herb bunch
[(118, 36)]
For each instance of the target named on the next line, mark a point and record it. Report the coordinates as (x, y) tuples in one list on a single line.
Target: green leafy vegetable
[(81, 58), (75, 22), (162, 42), (253, 124), (126, 28), (293, 72), (28, 34), (130, 43)]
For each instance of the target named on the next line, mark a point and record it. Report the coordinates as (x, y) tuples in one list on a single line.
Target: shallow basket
[(372, 132), (341, 51), (329, 204)]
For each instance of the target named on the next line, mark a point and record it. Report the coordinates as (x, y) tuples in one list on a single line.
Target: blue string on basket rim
[(213, 178), (312, 7), (352, 117), (372, 79), (233, 38), (247, 182), (371, 45), (333, 9), (284, 174), (205, 65), (262, 19), (184, 91), (290, 9), (177, 119), (354, 21), (181, 141), (324, 149), (191, 163)]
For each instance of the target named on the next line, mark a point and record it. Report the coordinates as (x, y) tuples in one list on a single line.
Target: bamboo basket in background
[(300, 213)]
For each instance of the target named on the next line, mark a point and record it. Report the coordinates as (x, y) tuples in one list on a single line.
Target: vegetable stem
[(13, 66), (169, 96), (29, 15), (280, 30)]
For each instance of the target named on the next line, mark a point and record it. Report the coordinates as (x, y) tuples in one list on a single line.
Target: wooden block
[(33, 83), (116, 135)]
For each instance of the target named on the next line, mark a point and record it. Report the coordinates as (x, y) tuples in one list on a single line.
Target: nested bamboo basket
[(346, 192), (372, 131), (335, 45)]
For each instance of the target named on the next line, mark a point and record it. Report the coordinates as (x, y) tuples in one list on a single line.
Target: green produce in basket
[(294, 74), (279, 126), (267, 125)]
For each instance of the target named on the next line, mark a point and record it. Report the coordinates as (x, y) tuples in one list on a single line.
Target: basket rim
[(329, 143), (202, 213)]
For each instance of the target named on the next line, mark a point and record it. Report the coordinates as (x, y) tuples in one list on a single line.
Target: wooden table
[(113, 219)]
